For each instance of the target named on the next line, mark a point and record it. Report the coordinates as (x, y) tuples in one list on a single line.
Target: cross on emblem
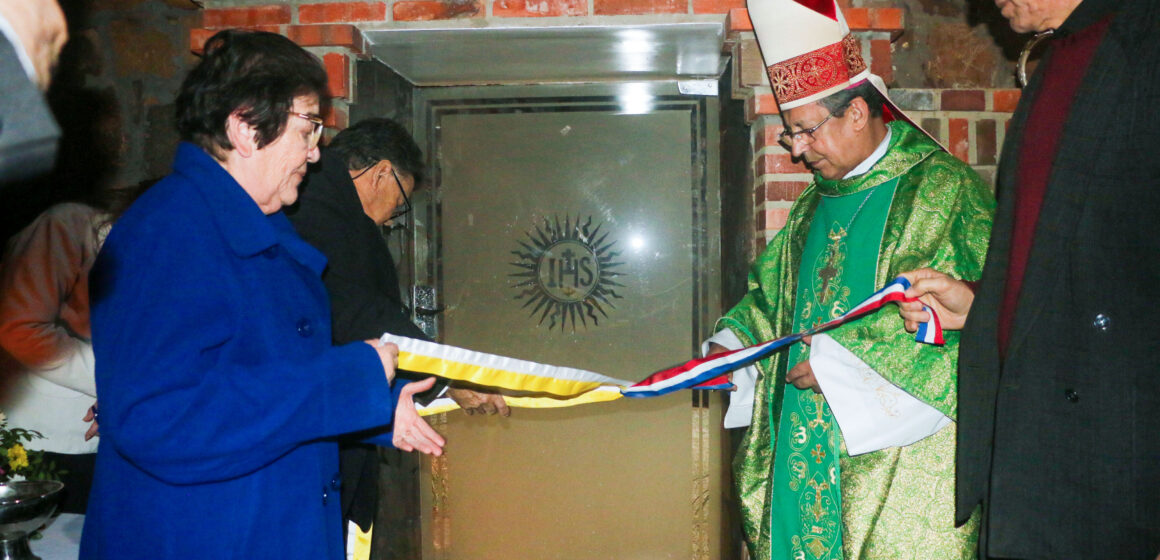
[(818, 454), (818, 509)]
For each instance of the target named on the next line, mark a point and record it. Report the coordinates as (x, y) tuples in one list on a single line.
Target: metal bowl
[(24, 506)]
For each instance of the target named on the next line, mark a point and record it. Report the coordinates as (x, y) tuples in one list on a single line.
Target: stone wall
[(113, 96)]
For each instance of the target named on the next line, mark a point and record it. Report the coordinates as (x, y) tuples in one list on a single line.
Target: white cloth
[(44, 327), (872, 413), (740, 411), (62, 538)]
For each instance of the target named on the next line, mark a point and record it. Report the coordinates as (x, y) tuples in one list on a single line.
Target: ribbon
[(532, 385)]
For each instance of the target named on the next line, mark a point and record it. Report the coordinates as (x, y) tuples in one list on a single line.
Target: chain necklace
[(829, 273), (1021, 69), (836, 236)]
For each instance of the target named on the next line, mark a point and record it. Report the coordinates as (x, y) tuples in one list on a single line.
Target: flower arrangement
[(20, 463)]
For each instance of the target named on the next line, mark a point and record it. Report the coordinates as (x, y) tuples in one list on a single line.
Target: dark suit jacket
[(364, 295), (28, 133), (1061, 443)]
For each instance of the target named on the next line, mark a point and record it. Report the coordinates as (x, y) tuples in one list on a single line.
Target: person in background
[(1059, 392), (363, 182), (221, 393), (32, 34), (48, 383)]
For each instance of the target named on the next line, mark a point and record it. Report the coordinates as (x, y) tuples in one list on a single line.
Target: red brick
[(342, 12), (539, 8), (759, 221), (858, 18), (198, 37), (1005, 100), (784, 190), (963, 100), (749, 66), (638, 7), (768, 137), (426, 10), (959, 143), (327, 35), (334, 117), (738, 20), (886, 19), (781, 162), (775, 218), (246, 17), (760, 104), (337, 74), (881, 60), (716, 6), (986, 140)]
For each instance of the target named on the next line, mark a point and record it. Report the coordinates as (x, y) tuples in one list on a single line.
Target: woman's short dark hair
[(370, 141), (837, 103), (254, 73)]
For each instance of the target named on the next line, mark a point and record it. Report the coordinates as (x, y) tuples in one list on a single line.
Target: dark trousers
[(77, 479)]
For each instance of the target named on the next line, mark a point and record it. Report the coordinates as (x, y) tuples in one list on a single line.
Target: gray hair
[(837, 103)]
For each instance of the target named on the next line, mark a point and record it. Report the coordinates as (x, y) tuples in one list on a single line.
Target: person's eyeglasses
[(788, 138), (406, 207), (316, 132)]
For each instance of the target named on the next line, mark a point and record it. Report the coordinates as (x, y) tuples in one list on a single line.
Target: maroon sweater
[(1065, 65)]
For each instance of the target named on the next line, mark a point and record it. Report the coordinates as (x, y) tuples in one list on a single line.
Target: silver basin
[(24, 507)]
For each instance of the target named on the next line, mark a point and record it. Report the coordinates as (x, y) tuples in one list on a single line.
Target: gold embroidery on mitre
[(816, 71)]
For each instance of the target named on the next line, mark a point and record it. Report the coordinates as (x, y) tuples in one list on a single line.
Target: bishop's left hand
[(802, 375), (478, 401)]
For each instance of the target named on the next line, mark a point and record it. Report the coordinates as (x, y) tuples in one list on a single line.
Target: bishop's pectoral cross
[(829, 272)]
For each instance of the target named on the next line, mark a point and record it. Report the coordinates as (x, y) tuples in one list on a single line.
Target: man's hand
[(477, 401), (388, 354), (94, 429), (42, 31), (950, 298), (802, 377), (411, 432)]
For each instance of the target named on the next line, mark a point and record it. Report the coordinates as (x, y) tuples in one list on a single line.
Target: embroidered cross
[(817, 509), (829, 272), (818, 454), (818, 420)]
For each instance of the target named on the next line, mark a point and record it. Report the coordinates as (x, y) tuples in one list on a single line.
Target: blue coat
[(219, 389)]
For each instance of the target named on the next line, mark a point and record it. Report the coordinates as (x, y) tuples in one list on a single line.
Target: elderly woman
[(221, 394)]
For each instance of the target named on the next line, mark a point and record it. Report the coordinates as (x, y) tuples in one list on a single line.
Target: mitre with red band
[(810, 53), (808, 49)]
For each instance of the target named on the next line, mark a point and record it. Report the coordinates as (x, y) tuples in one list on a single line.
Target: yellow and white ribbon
[(525, 384)]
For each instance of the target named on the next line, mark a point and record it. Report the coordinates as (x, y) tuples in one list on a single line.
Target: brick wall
[(971, 123)]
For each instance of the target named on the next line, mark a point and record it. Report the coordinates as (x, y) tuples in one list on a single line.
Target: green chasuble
[(802, 496)]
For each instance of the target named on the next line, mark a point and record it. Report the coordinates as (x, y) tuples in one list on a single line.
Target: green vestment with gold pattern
[(802, 497)]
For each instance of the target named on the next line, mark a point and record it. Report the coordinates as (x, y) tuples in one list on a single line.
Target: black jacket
[(365, 302), (1062, 442)]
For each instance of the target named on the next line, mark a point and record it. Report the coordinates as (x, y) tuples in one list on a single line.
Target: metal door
[(578, 226)]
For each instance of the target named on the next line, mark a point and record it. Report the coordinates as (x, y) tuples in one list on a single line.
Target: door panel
[(574, 226)]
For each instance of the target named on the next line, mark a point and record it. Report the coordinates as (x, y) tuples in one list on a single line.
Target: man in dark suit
[(32, 33), (362, 183), (1059, 367)]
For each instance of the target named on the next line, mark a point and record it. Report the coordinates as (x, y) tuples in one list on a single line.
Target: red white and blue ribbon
[(531, 385), (712, 372)]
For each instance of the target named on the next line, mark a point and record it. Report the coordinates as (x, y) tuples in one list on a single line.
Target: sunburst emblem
[(567, 272)]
